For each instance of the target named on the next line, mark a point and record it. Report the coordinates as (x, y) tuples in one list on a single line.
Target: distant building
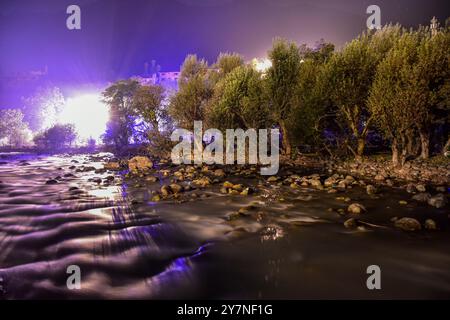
[(169, 80)]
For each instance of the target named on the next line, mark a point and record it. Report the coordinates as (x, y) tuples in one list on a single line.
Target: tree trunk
[(425, 144), (361, 146), (285, 139), (446, 146), (395, 153)]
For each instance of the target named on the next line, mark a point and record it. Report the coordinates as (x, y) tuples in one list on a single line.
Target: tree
[(411, 91), (432, 66), (310, 100), (395, 95), (56, 138), (188, 104), (226, 62), (13, 129), (349, 76), (119, 98), (282, 80), (147, 106), (239, 101), (43, 107)]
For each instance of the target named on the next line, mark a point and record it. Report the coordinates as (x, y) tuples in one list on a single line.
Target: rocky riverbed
[(150, 229)]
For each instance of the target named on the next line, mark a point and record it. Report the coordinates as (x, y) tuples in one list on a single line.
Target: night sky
[(118, 36)]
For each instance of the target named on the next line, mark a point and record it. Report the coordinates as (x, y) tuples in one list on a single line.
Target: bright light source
[(261, 65), (88, 114)]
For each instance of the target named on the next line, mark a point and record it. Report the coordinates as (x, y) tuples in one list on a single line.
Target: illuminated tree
[(13, 129), (411, 86), (282, 80), (349, 75), (119, 98), (239, 101), (56, 138), (188, 104), (42, 109)]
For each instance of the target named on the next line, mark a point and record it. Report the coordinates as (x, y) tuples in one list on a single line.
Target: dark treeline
[(386, 89)]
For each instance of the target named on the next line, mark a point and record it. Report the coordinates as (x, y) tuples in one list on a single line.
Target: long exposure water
[(129, 247)]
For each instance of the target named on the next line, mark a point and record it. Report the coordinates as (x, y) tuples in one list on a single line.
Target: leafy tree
[(42, 108), (282, 81), (411, 90), (432, 68), (56, 138), (226, 62), (310, 99), (119, 98), (349, 75), (147, 106), (13, 129), (239, 101), (188, 104), (395, 95)]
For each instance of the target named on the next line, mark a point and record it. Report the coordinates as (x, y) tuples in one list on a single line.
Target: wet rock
[(441, 189), (202, 182), (139, 164), (316, 184), (156, 198), (421, 188), (332, 190), (176, 188), (329, 182), (371, 189), (422, 197), (272, 179), (68, 175), (246, 191), (389, 182), (219, 173), (293, 185), (408, 224), (238, 187), (89, 168), (430, 224), (227, 184), (223, 190), (165, 191), (438, 201), (356, 208), (51, 181), (342, 184), (73, 189), (245, 211), (379, 177), (97, 180), (403, 202), (350, 223)]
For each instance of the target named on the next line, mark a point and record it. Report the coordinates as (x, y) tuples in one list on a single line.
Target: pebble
[(356, 208), (430, 224), (408, 224)]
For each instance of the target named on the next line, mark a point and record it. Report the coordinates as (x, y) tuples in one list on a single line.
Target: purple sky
[(118, 36)]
